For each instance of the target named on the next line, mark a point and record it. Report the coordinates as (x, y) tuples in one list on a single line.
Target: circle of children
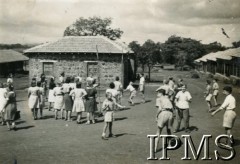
[(66, 96), (69, 96)]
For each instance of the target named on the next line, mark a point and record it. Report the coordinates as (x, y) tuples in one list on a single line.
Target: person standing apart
[(34, 99), (119, 89), (164, 117), (78, 106), (208, 95), (90, 104), (215, 91), (142, 86), (10, 108), (229, 116), (3, 102), (51, 97), (109, 107), (58, 100), (133, 92), (182, 100)]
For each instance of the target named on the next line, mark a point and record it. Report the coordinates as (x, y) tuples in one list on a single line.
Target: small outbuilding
[(95, 56), (12, 62)]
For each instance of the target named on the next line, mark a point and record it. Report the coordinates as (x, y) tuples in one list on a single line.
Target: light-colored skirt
[(141, 88), (33, 102), (2, 104), (165, 119), (59, 102), (108, 117), (229, 118), (78, 105), (51, 97), (209, 97)]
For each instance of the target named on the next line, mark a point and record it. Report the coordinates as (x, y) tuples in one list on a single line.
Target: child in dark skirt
[(109, 107)]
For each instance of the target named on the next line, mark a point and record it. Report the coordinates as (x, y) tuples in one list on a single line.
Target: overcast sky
[(40, 21)]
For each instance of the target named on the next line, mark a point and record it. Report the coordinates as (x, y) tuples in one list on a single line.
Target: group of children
[(174, 99)]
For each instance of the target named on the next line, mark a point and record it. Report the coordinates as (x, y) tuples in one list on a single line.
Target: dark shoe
[(112, 135), (187, 131), (104, 138)]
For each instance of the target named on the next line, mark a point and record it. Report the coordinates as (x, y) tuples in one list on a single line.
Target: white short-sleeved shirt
[(142, 81), (118, 85), (130, 88), (183, 99), (229, 103), (112, 91)]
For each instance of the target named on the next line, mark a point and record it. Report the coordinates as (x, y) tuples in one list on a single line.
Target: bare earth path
[(56, 141)]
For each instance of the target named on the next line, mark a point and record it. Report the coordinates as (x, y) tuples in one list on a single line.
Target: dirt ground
[(50, 141)]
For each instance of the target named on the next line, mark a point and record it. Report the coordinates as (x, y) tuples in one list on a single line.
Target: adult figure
[(182, 99), (215, 88), (90, 104), (119, 89), (78, 106), (68, 102), (42, 98), (208, 95), (3, 101), (164, 114), (51, 97), (34, 99), (58, 100), (229, 105), (142, 86), (10, 108)]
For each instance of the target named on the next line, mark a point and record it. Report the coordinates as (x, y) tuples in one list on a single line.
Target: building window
[(48, 69)]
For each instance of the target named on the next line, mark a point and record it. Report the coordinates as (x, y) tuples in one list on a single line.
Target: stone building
[(12, 62), (85, 56)]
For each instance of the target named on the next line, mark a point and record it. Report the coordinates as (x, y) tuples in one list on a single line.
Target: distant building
[(11, 62), (223, 63), (95, 56)]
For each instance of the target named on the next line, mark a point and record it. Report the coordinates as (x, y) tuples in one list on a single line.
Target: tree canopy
[(93, 26), (175, 50)]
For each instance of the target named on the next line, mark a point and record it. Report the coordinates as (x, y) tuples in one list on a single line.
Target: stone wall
[(110, 65)]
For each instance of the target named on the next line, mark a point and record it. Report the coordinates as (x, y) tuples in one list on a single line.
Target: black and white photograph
[(119, 82)]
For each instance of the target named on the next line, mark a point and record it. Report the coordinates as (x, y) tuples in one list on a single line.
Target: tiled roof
[(7, 56), (81, 44), (226, 55)]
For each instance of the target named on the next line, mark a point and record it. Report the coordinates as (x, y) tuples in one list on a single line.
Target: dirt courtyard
[(50, 141)]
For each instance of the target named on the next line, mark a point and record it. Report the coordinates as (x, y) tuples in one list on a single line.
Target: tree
[(236, 44), (93, 26)]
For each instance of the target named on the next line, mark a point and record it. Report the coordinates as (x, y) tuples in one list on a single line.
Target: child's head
[(10, 87), (227, 90), (112, 85), (33, 84), (117, 78), (214, 80), (161, 92), (208, 82), (108, 95), (78, 85)]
